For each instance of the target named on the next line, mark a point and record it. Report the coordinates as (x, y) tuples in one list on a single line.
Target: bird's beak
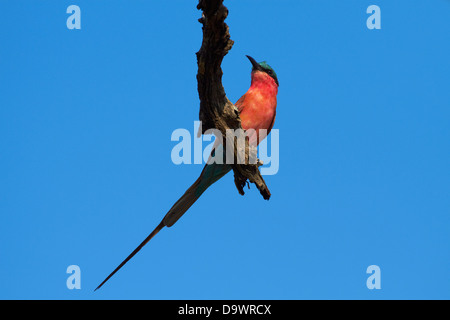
[(255, 64)]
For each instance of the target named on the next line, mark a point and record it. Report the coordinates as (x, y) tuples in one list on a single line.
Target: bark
[(216, 111)]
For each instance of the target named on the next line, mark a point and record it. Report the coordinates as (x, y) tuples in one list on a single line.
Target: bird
[(257, 110)]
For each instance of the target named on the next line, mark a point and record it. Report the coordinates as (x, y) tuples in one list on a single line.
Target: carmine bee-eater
[(257, 109)]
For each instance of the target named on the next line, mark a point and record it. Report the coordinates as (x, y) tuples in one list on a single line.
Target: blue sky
[(86, 118)]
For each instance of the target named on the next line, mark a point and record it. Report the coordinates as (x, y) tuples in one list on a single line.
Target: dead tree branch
[(216, 111)]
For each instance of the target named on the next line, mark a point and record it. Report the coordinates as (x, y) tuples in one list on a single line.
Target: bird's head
[(263, 67)]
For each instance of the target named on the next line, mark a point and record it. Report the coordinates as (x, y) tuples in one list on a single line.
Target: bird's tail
[(154, 232), (210, 174)]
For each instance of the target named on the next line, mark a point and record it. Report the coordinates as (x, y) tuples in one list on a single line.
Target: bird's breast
[(258, 111)]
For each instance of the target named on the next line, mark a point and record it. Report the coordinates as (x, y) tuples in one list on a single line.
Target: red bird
[(257, 108)]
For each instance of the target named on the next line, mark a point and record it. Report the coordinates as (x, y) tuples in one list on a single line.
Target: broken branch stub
[(216, 111)]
